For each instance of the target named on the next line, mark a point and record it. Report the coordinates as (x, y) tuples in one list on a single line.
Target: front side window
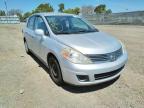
[(40, 24), (69, 25)]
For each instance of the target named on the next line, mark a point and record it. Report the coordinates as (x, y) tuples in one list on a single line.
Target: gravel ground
[(25, 82)]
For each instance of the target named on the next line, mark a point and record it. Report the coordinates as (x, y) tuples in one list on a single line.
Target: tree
[(43, 8), (87, 10), (20, 16), (77, 10), (17, 12), (2, 13), (109, 11), (72, 11), (61, 7), (14, 12), (26, 15), (100, 9)]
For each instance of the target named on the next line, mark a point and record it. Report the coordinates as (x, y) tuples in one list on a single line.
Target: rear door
[(29, 32)]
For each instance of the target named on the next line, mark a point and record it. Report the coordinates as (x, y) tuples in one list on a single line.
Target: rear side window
[(30, 23)]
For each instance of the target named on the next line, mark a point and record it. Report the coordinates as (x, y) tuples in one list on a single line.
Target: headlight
[(75, 56)]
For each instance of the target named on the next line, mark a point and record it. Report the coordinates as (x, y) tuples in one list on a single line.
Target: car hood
[(90, 43)]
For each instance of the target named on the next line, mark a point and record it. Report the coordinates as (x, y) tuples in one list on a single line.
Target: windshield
[(69, 25)]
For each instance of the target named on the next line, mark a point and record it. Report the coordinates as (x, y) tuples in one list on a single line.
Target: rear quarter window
[(30, 23)]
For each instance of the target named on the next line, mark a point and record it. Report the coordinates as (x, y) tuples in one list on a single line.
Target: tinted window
[(40, 24), (30, 24)]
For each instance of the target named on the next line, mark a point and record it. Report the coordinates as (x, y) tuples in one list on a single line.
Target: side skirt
[(39, 58)]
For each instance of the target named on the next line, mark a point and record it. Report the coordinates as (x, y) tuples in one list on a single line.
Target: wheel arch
[(54, 55), (24, 39), (50, 54)]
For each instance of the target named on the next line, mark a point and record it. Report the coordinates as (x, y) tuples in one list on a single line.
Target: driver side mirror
[(39, 32)]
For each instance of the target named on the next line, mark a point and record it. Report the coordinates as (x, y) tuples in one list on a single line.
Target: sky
[(115, 5)]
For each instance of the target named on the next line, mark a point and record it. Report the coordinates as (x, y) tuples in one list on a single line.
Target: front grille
[(109, 57), (107, 74)]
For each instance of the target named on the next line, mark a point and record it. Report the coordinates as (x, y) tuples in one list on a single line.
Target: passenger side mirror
[(39, 32)]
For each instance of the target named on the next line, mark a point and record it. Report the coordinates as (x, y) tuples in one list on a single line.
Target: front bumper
[(71, 70)]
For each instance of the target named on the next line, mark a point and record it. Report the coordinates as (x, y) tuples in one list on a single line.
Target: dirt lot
[(25, 83)]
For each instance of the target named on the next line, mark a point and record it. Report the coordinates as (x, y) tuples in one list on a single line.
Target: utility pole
[(5, 2)]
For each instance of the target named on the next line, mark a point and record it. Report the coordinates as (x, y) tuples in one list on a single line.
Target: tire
[(55, 71), (26, 47)]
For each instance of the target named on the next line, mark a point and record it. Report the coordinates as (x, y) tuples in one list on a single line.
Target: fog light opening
[(83, 78)]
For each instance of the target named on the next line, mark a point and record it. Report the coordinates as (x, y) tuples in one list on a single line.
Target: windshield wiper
[(87, 31), (63, 33), (83, 31), (76, 32)]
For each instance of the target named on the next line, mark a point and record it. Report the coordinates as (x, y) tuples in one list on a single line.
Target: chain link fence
[(9, 20), (133, 18)]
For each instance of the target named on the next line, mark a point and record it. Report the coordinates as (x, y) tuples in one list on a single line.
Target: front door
[(39, 24)]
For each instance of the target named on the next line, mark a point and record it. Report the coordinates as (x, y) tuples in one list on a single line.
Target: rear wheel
[(26, 47), (55, 71)]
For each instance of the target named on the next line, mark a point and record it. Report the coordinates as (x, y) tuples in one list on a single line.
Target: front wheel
[(55, 71)]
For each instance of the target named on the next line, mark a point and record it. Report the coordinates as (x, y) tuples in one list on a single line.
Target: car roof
[(54, 14)]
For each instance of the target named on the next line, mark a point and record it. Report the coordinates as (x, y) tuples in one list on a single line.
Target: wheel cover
[(54, 70), (26, 47)]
